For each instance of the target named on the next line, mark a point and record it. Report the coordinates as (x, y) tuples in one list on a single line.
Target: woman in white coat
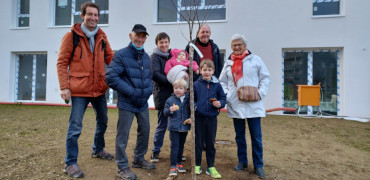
[(245, 69)]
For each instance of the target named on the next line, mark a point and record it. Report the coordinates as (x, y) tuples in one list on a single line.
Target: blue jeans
[(159, 132), (79, 105), (254, 125), (124, 123), (177, 146)]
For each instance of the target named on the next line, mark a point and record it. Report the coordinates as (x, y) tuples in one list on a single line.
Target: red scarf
[(237, 68)]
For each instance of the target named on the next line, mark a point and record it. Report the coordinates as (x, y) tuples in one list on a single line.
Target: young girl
[(178, 64), (178, 112), (209, 98)]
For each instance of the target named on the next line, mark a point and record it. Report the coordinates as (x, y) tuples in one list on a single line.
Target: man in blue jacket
[(130, 75)]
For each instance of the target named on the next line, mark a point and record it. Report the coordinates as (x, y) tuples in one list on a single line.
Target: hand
[(197, 71), (188, 121), (186, 76), (174, 107), (216, 104), (65, 94)]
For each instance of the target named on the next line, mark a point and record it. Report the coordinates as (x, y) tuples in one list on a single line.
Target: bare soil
[(32, 146)]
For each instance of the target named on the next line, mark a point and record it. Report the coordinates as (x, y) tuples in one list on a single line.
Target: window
[(23, 13), (310, 68), (68, 12), (206, 9), (326, 7), (31, 77)]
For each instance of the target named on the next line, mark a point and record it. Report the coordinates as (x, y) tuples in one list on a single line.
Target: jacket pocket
[(79, 82), (102, 84)]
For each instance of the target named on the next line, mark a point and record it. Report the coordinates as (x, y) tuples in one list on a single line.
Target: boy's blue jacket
[(176, 119), (203, 92)]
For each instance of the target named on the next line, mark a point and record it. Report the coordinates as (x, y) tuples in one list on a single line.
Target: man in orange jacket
[(82, 79)]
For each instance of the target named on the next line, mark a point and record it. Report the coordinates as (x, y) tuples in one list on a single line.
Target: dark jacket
[(203, 92), (216, 57), (176, 119), (130, 75), (84, 75), (162, 88)]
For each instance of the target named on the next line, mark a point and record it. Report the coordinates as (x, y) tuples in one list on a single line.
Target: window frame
[(341, 9), (34, 76), (19, 15), (178, 21), (310, 60), (74, 13)]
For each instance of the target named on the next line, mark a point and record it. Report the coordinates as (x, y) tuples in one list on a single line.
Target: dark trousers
[(124, 123), (205, 133), (177, 146), (159, 132), (254, 125)]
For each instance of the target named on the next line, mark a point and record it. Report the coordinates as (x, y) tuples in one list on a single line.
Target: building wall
[(269, 26)]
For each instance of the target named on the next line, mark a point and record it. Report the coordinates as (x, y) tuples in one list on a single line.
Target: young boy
[(209, 98), (178, 112)]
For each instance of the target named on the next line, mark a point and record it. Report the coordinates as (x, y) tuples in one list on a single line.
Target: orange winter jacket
[(85, 74)]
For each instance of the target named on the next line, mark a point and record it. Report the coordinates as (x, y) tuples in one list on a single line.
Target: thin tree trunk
[(192, 114)]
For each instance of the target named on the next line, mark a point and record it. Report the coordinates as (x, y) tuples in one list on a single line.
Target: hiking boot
[(259, 172), (173, 171), (240, 167), (183, 158), (213, 172), (126, 174), (102, 154), (142, 164), (180, 168), (154, 157), (73, 171), (198, 170)]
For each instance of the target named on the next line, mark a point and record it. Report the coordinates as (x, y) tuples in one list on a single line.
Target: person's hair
[(238, 37), (208, 63), (180, 82), (161, 36), (203, 25), (89, 4)]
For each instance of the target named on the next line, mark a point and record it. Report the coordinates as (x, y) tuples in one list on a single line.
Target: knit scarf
[(90, 35), (160, 53), (237, 68)]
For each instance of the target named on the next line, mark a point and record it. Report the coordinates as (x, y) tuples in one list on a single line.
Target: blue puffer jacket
[(203, 92), (130, 75), (176, 119)]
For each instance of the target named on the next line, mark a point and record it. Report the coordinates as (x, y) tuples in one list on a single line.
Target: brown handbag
[(248, 94)]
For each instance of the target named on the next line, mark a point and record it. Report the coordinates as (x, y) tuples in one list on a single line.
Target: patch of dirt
[(32, 146)]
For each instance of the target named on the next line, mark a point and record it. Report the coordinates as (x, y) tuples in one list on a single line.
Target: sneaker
[(198, 170), (102, 154), (213, 172), (142, 164), (183, 158), (259, 172), (73, 171), (126, 174), (180, 168), (240, 167), (154, 157), (173, 171)]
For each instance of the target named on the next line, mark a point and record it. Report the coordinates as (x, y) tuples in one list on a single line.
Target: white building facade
[(301, 42)]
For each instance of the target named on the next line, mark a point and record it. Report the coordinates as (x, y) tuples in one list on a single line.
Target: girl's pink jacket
[(173, 61)]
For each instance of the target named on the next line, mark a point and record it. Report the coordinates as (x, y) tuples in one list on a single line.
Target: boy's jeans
[(79, 105), (254, 125)]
